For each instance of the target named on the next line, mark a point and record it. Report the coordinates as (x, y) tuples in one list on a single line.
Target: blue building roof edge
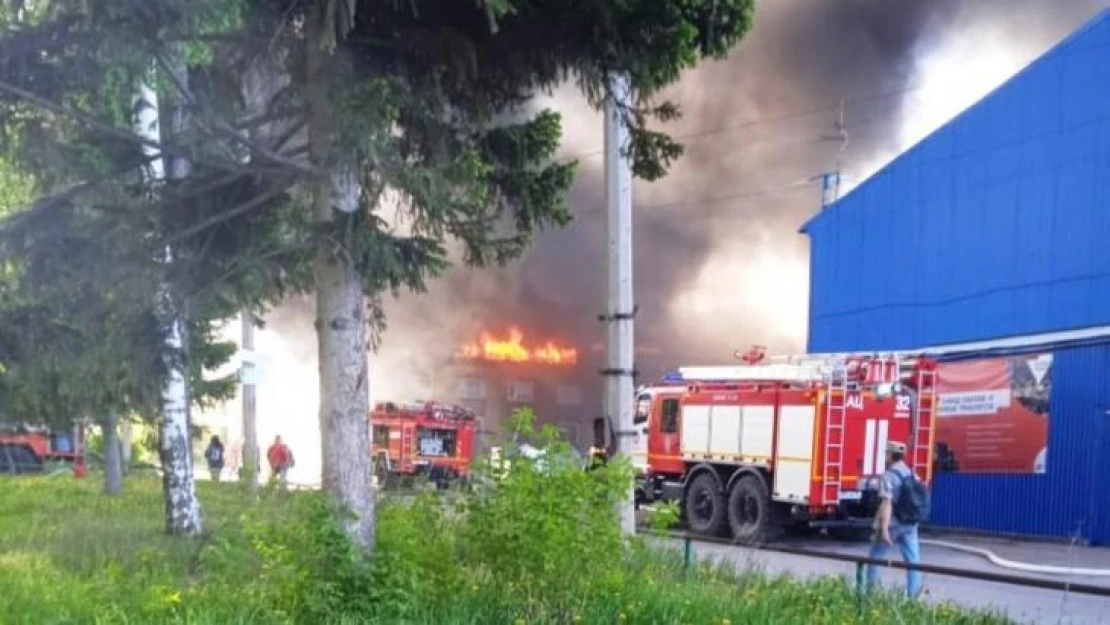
[(1077, 35)]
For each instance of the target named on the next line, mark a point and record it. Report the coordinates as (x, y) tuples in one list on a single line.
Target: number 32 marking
[(902, 403)]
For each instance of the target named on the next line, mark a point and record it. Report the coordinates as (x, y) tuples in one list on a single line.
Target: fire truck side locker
[(794, 453)]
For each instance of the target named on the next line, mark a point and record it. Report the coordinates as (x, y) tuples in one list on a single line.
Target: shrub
[(539, 546), (548, 525)]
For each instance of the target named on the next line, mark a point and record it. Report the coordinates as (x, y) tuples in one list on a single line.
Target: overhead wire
[(744, 194), (773, 119)]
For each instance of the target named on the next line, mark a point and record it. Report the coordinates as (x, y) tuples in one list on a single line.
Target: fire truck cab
[(424, 439), (25, 448), (797, 443)]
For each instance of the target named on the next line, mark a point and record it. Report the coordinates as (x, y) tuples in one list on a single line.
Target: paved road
[(1024, 605)]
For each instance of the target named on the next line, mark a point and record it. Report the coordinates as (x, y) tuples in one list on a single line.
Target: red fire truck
[(425, 439), (788, 444), (24, 448)]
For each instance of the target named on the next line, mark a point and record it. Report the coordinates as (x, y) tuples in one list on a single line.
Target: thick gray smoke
[(718, 261)]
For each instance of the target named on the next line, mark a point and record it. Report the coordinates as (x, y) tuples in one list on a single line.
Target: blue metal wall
[(996, 225), (1069, 499)]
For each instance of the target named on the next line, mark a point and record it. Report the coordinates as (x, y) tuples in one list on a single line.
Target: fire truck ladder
[(836, 414), (408, 450), (925, 410)]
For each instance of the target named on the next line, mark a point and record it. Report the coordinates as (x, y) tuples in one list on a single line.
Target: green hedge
[(541, 546)]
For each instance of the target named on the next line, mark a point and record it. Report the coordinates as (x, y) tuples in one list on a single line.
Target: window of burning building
[(568, 395), (436, 442), (521, 392), (471, 389)]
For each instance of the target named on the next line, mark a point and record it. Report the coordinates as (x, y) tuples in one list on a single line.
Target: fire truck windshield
[(436, 442)]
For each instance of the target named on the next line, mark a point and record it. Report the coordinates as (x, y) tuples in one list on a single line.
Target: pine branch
[(167, 147), (235, 211), (221, 128)]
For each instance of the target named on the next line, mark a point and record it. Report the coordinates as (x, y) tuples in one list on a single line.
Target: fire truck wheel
[(705, 506), (749, 510)]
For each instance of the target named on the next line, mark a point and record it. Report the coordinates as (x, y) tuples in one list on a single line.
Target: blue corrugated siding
[(1065, 500), (996, 225)]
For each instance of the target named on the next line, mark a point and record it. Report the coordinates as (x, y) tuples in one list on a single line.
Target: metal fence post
[(861, 586), (687, 553)]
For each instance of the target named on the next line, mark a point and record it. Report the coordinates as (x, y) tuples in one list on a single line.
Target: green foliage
[(664, 516), (16, 188), (78, 301), (292, 555), (426, 107), (94, 445), (68, 554), (512, 531)]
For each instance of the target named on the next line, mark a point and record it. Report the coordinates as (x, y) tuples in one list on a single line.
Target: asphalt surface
[(1022, 604)]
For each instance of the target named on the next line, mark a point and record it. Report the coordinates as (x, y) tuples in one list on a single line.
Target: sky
[(718, 263)]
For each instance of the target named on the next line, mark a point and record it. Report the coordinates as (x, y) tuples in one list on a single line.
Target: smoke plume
[(718, 261)]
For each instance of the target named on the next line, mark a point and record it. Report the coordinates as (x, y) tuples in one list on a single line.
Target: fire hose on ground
[(994, 559)]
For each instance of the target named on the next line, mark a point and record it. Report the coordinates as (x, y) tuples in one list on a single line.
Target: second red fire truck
[(794, 443), (421, 440)]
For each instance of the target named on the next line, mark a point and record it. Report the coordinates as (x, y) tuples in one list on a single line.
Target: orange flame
[(513, 350)]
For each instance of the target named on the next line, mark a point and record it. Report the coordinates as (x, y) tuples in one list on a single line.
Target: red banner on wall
[(993, 415)]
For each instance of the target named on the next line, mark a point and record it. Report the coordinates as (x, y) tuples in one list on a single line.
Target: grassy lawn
[(69, 554)]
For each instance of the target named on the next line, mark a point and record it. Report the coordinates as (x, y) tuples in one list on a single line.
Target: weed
[(540, 546)]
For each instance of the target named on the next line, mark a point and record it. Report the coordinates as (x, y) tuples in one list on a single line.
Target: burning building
[(496, 373)]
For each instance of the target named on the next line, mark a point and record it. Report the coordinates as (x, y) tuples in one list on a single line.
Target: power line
[(730, 197), (771, 119)]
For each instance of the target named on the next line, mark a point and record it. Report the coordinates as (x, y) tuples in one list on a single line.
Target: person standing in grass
[(903, 505), (215, 457), (280, 459)]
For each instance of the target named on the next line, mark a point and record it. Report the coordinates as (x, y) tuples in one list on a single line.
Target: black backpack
[(911, 506)]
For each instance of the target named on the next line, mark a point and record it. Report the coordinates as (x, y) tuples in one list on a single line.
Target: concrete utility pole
[(249, 456), (619, 372)]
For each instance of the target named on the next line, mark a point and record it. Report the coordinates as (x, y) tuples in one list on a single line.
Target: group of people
[(278, 456)]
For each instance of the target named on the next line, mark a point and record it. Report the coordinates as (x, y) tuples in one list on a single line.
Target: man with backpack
[(903, 505)]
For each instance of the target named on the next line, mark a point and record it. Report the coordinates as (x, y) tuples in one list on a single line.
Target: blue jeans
[(905, 538)]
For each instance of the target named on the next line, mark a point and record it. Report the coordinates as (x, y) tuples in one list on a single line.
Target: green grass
[(69, 554)]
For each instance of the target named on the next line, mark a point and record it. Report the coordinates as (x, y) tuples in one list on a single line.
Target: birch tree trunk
[(182, 508), (113, 467), (341, 322), (183, 515)]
